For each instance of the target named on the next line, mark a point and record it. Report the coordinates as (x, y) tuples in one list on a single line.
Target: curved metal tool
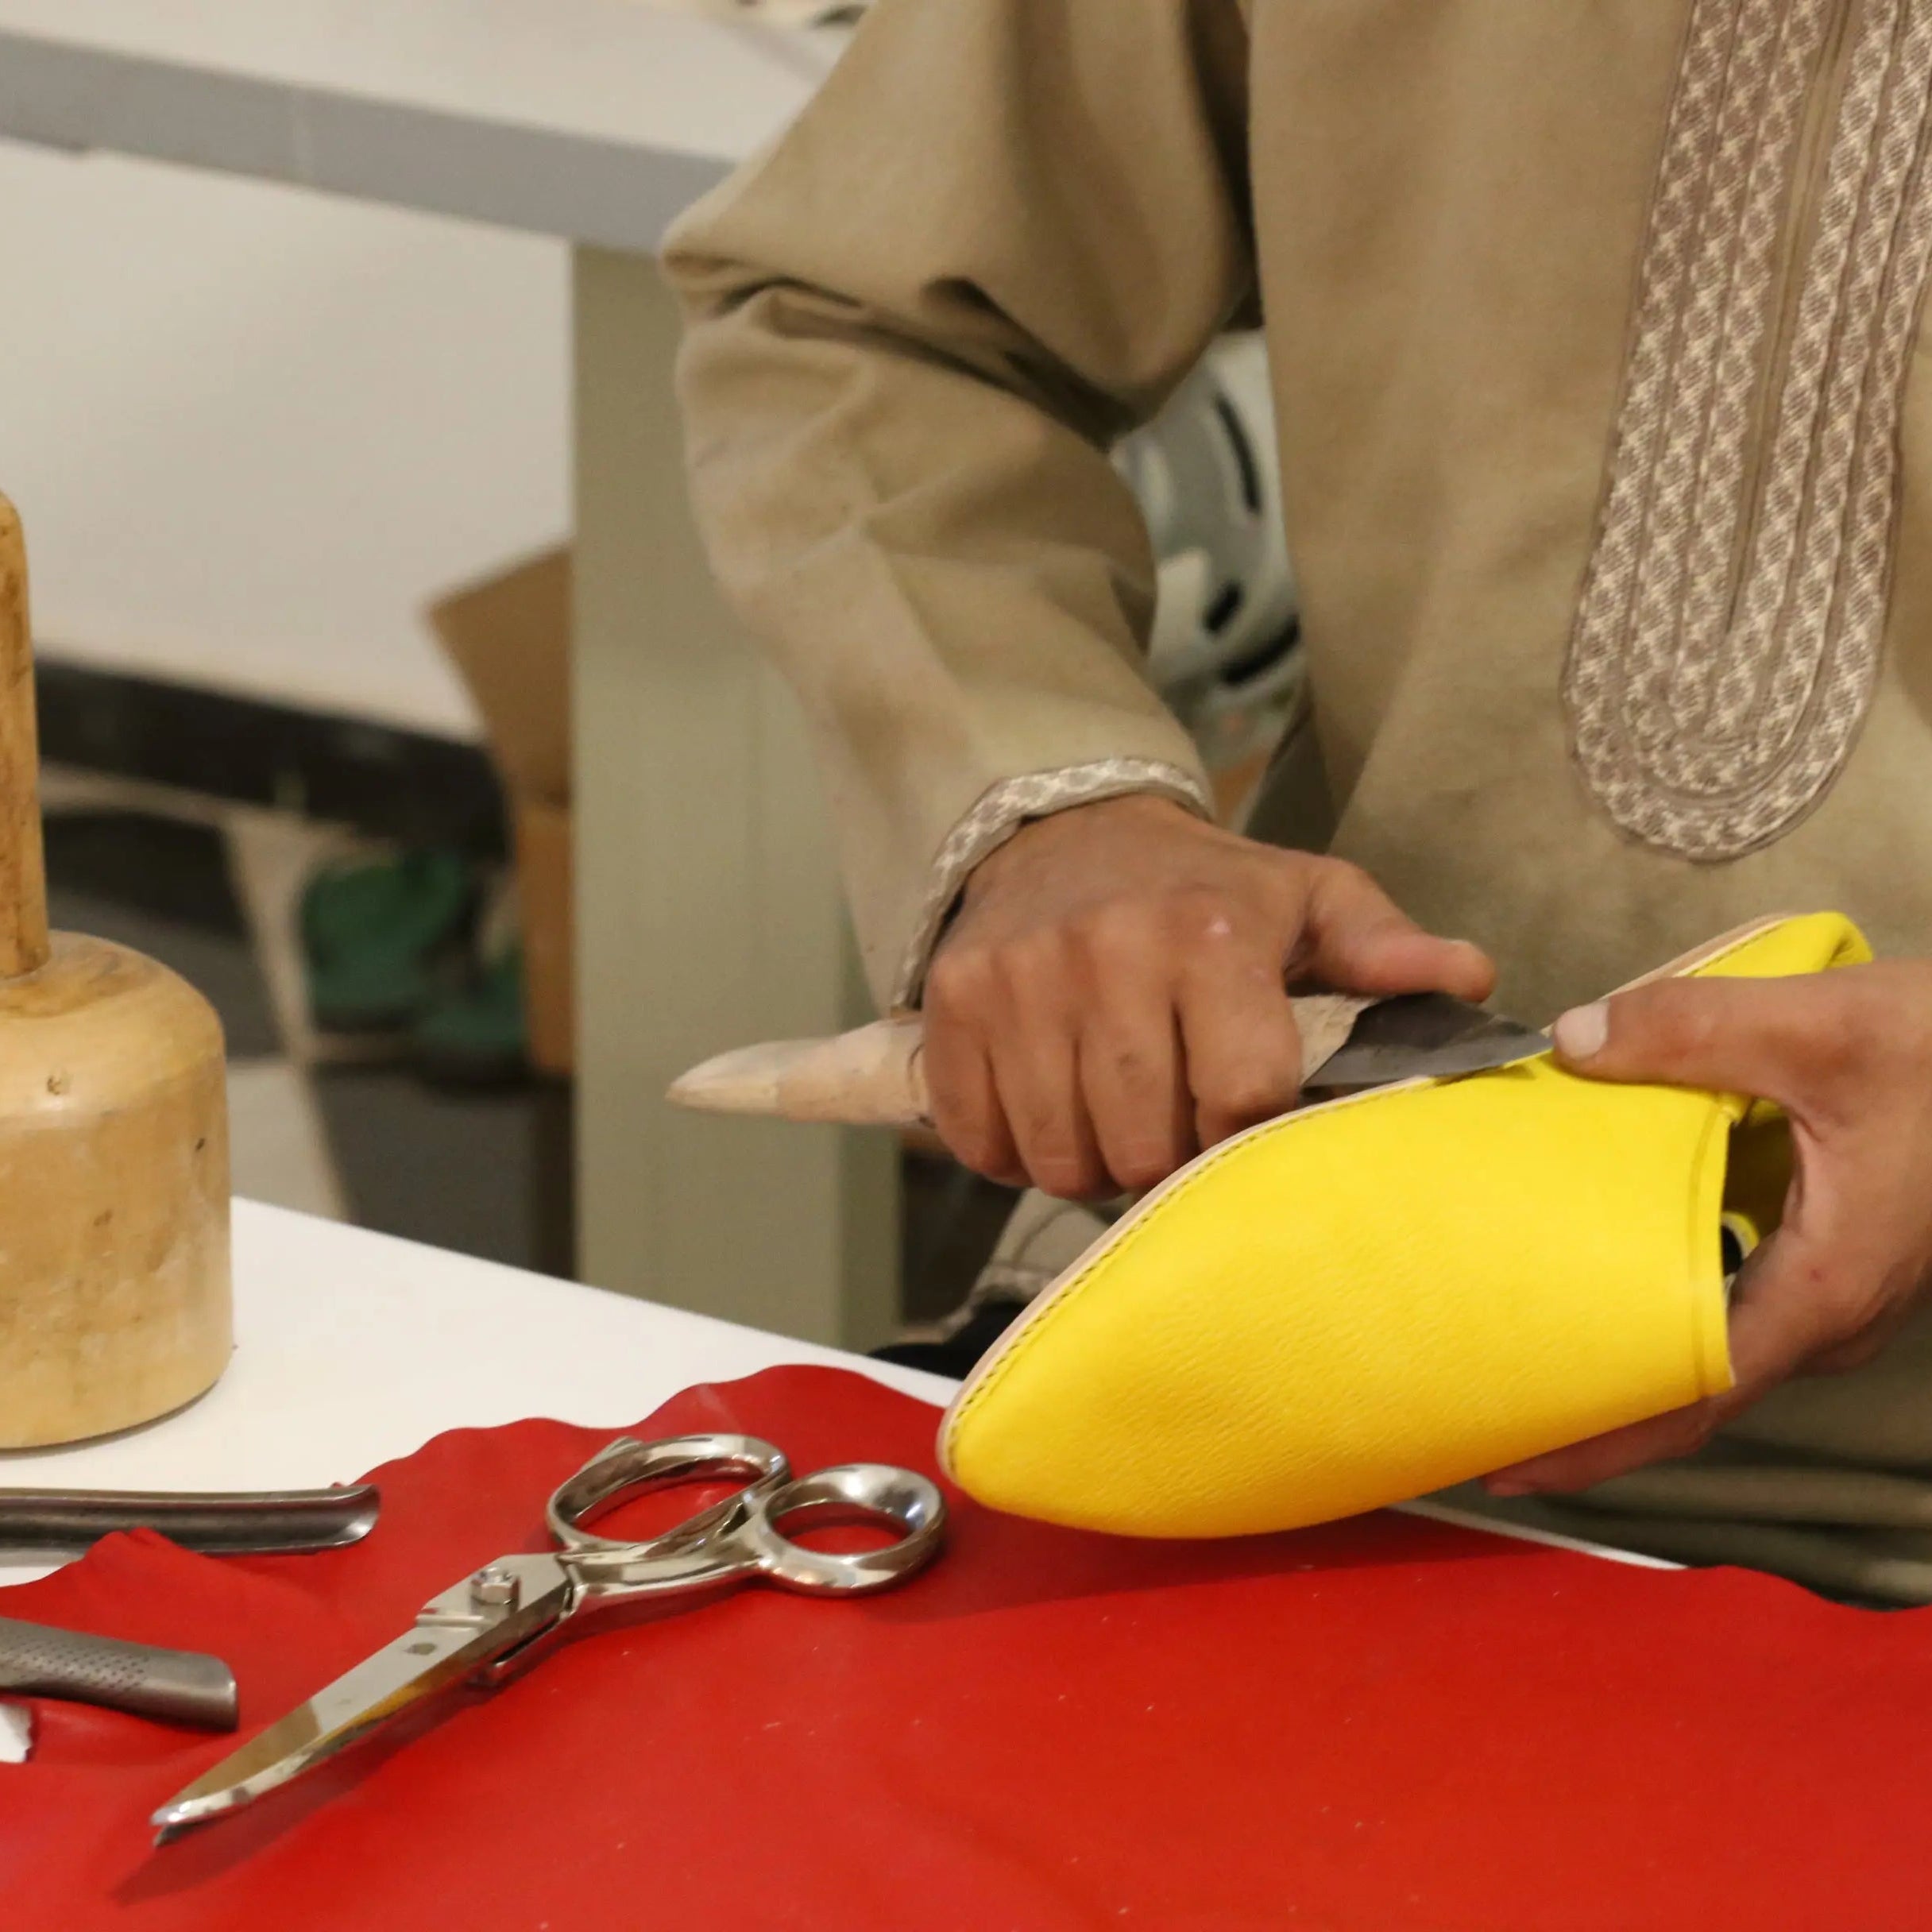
[(218, 1522)]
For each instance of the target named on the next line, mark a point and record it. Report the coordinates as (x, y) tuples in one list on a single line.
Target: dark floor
[(484, 1174), (951, 1219)]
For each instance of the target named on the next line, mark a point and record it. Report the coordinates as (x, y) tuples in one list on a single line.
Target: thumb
[(1761, 1038), (1354, 938)]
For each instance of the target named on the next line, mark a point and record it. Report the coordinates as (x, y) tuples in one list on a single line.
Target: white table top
[(596, 120), (352, 1348)]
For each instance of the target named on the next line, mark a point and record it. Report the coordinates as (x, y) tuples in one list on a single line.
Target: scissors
[(495, 1623)]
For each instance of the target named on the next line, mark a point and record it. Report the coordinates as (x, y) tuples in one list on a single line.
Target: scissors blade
[(1418, 1035), (455, 1636)]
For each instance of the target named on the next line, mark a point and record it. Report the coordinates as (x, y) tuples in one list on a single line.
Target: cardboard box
[(509, 636)]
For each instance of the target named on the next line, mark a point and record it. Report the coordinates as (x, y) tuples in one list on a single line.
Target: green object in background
[(383, 939), (476, 1036)]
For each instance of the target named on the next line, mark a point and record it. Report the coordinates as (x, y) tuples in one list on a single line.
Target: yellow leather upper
[(1367, 1300)]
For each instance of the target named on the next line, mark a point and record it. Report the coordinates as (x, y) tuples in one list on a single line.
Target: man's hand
[(1848, 1055), (1112, 995)]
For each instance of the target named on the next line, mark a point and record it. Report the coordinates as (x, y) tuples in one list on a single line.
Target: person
[(1606, 465)]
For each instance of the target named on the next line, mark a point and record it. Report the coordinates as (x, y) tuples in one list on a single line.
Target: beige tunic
[(1609, 498)]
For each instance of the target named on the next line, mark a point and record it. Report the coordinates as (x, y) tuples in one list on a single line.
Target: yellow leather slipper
[(1368, 1299)]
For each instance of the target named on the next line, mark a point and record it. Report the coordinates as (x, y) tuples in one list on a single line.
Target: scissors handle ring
[(628, 1467), (747, 1533), (868, 1493)]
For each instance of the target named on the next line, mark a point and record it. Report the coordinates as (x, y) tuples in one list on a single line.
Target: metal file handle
[(217, 1523), (180, 1686)]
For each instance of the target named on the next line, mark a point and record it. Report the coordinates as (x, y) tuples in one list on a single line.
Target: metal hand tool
[(218, 1523), (179, 1685), (494, 1624)]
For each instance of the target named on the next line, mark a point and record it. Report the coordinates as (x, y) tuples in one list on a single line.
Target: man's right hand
[(1112, 996)]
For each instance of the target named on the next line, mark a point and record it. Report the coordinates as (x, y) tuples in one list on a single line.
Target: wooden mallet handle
[(23, 946)]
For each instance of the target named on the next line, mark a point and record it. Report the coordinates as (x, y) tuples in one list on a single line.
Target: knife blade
[(1418, 1035)]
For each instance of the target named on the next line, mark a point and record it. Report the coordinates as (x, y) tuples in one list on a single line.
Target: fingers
[(1794, 1309), (1353, 936), (1036, 1065), (1130, 1058), (1846, 1054), (1243, 1051), (1112, 994), (1661, 1438), (1793, 1041), (960, 1088), (1096, 1061), (1036, 1059)]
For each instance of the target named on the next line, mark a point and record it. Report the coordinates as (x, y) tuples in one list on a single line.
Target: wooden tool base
[(114, 1298)]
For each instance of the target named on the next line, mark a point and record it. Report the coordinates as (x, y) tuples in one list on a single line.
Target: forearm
[(908, 356)]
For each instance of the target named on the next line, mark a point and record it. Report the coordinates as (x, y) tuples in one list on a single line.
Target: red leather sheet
[(1384, 1725)]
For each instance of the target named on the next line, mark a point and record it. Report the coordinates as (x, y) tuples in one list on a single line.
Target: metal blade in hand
[(456, 1635), (1426, 1035)]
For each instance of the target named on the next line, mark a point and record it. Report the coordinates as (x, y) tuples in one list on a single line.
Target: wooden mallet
[(114, 1299)]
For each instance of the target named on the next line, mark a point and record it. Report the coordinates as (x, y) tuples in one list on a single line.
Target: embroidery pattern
[(1727, 639)]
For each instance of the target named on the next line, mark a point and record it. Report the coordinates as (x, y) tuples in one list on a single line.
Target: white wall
[(251, 429)]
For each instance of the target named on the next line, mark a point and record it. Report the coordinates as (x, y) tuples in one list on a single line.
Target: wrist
[(1131, 814)]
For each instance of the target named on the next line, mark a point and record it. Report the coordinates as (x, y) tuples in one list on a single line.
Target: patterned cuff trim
[(1000, 811)]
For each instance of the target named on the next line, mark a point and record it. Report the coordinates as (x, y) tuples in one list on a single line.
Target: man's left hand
[(1848, 1055)]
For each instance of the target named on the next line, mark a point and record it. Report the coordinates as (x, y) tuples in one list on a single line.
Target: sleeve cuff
[(1000, 811)]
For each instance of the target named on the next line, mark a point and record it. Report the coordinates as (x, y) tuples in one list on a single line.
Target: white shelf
[(594, 120)]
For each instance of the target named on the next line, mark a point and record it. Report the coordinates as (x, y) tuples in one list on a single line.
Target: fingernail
[(1581, 1033)]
